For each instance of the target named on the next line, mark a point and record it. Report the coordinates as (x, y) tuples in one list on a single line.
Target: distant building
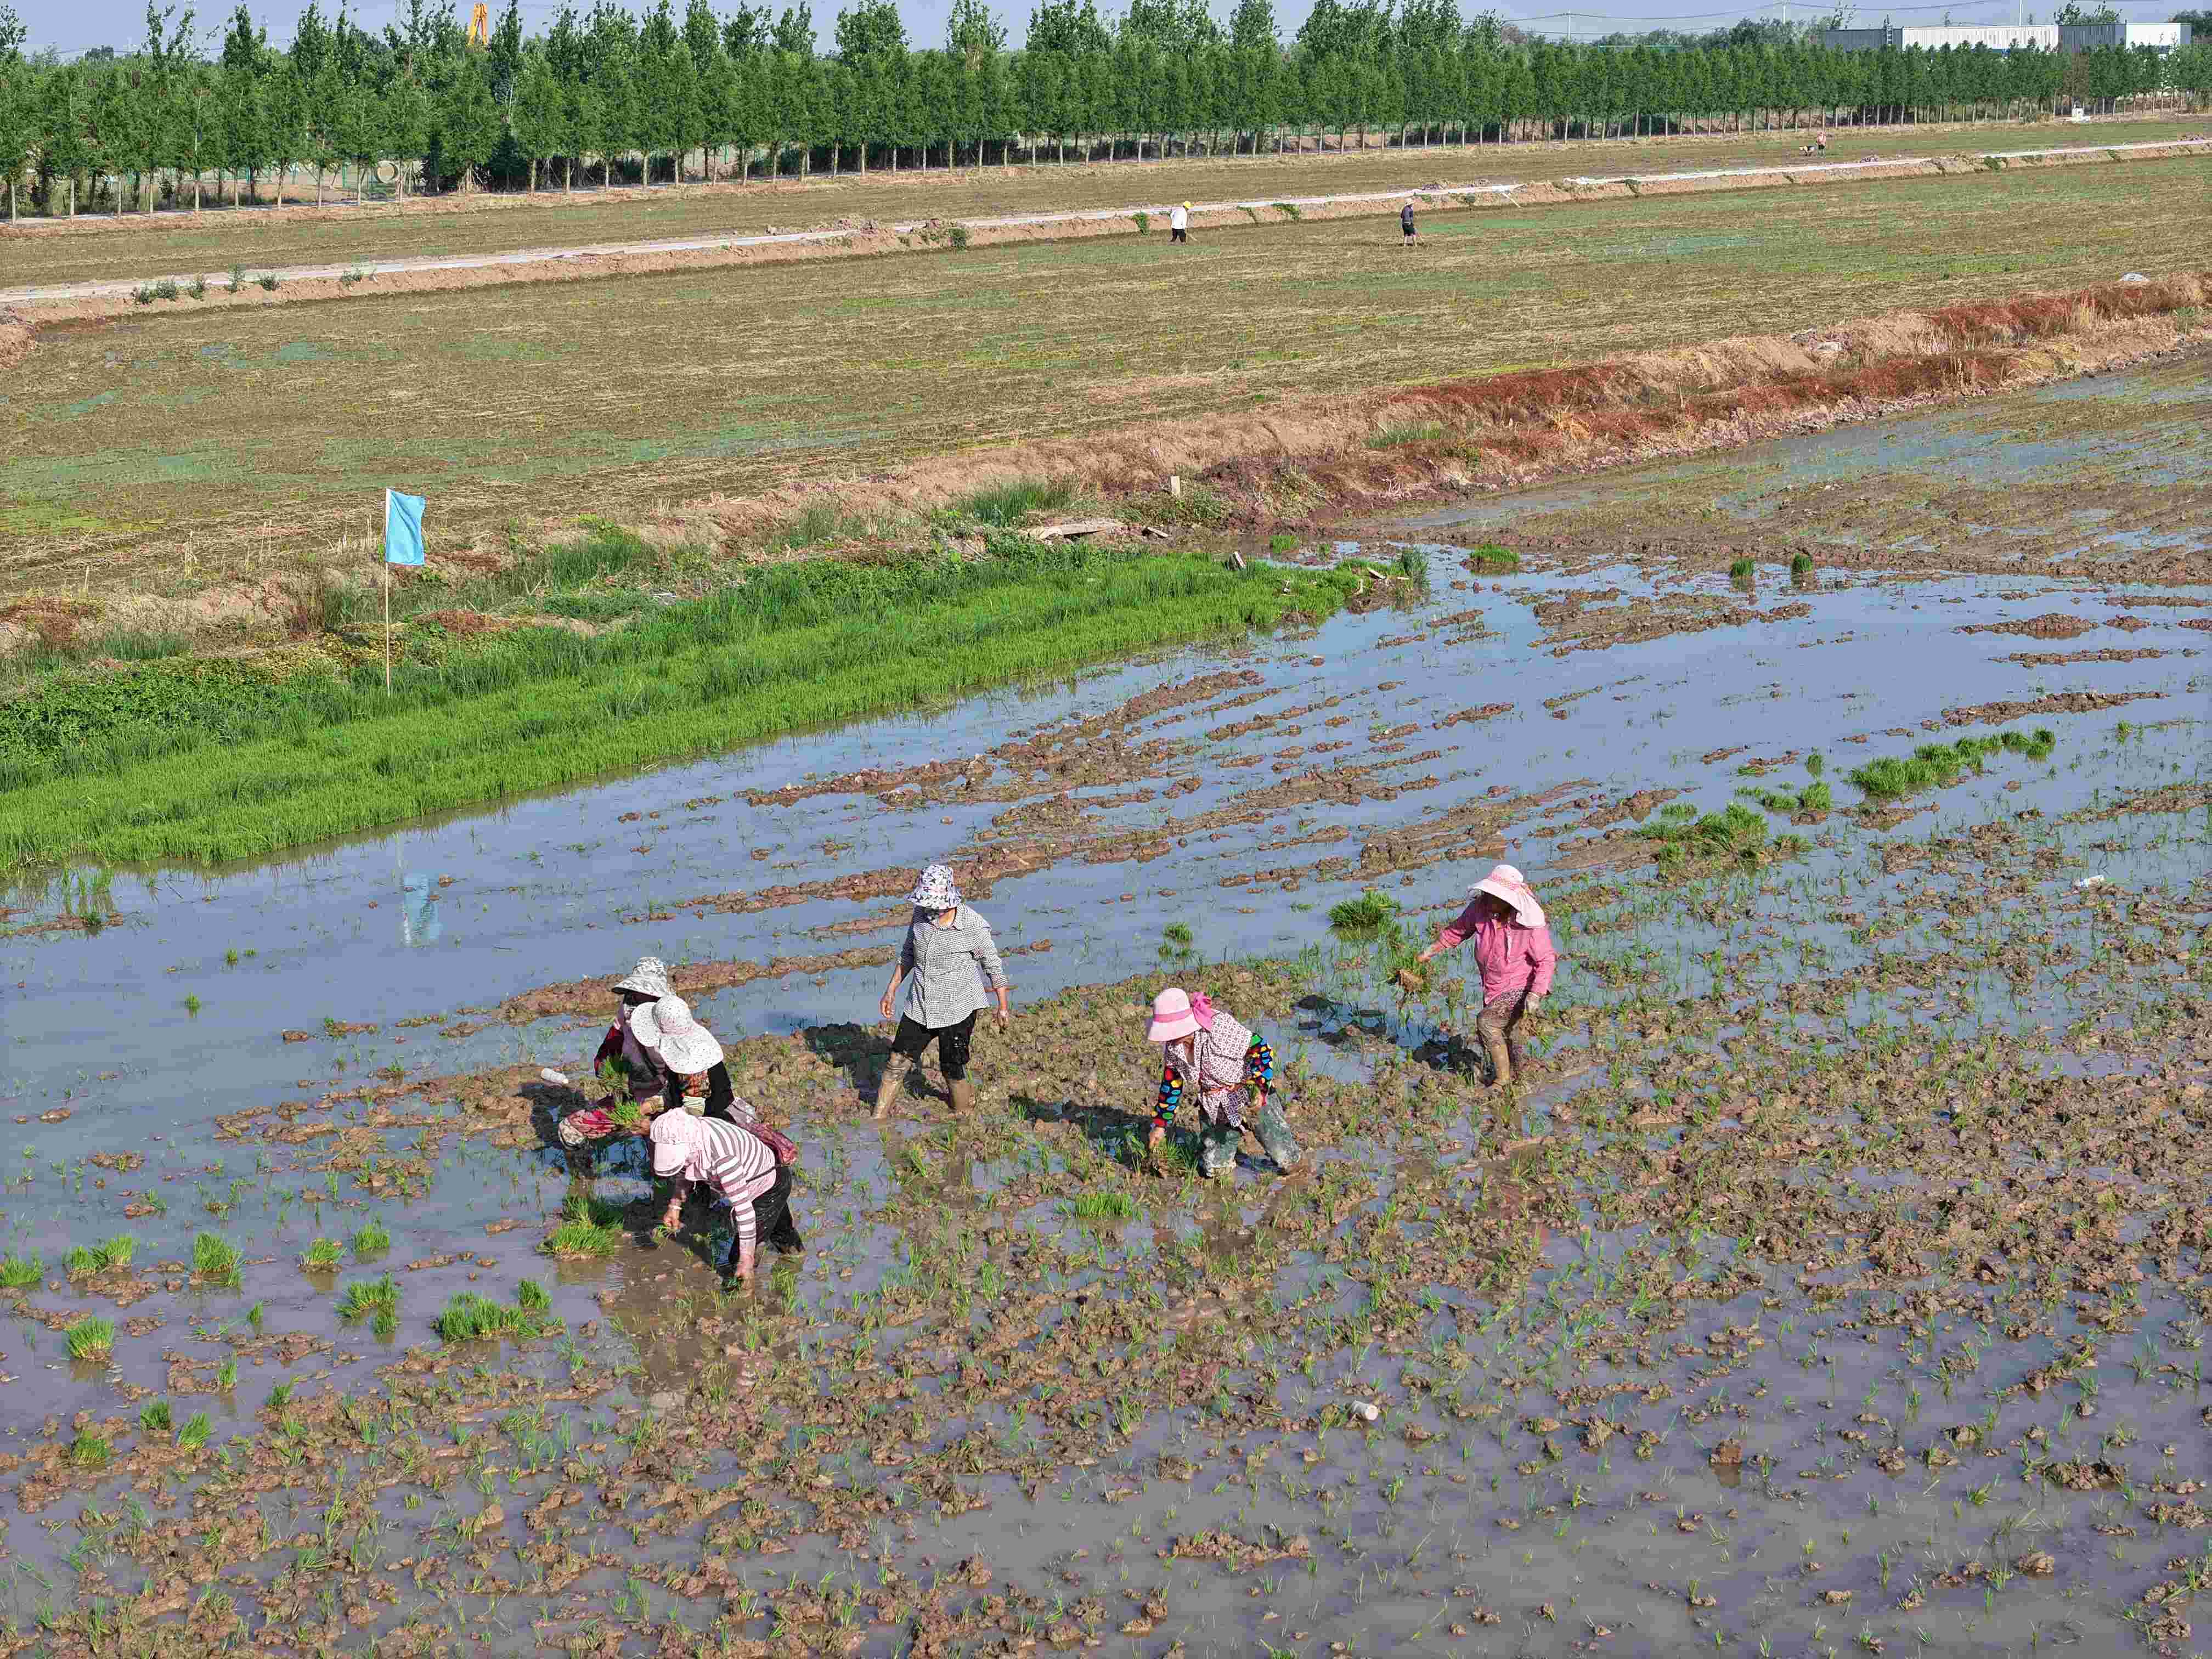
[(2161, 38)]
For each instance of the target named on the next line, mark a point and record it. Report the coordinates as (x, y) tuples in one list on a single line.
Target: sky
[(70, 27)]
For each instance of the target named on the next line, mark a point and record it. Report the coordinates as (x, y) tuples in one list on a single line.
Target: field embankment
[(136, 248), (168, 456)]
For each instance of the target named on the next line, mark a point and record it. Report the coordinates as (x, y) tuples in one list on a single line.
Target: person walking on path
[(1207, 1050), (745, 1167), (948, 962), (1406, 221), (1179, 223), (1513, 950)]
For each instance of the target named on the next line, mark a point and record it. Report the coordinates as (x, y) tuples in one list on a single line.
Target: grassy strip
[(796, 646)]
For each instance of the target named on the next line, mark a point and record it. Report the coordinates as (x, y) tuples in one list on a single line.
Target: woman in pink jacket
[(1513, 949)]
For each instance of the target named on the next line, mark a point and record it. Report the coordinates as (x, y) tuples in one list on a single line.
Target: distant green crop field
[(244, 436)]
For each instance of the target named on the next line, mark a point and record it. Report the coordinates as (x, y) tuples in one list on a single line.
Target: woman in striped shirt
[(1206, 1049), (739, 1168)]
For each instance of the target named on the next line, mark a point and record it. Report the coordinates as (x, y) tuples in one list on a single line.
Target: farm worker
[(645, 985), (690, 1058), (1513, 949), (1205, 1048), (948, 961), (1179, 223), (744, 1165), (1406, 221)]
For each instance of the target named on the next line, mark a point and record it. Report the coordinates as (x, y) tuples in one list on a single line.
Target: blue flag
[(403, 528)]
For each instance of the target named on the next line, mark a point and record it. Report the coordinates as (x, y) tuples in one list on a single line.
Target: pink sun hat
[(1176, 1013), (1504, 882)]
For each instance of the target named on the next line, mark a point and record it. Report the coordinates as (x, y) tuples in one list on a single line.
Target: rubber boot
[(1501, 1062), (887, 1091), (1273, 1130), (963, 1097), (1517, 1054)]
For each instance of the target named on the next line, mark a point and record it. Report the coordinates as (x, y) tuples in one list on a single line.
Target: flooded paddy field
[(1834, 1284)]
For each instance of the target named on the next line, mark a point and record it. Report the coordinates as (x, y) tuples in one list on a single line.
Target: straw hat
[(936, 890), (1172, 1016), (683, 1045), (648, 979), (1504, 882)]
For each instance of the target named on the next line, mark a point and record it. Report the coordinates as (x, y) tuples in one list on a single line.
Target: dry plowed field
[(205, 443)]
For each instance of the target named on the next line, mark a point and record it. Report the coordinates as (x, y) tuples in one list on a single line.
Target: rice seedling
[(1490, 556), (1103, 1206), (470, 1318), (529, 1296), (195, 1432), (1815, 764), (182, 771), (370, 1239), (280, 1396), (226, 1375), (1370, 911), (384, 1323), (1742, 570), (1178, 935), (90, 1452), (1936, 765), (253, 1317), (1801, 564), (364, 1298), (90, 1339), (589, 1227), (1006, 504), (154, 1417), (215, 1258), (322, 1256), (192, 1006), (21, 1272), (1814, 798), (1736, 832)]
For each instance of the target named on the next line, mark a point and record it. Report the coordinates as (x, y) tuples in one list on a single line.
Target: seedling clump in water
[(1936, 765), (590, 1227), (91, 1338)]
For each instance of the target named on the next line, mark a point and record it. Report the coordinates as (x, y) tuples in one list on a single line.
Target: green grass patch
[(1735, 833), (1408, 432), (1103, 1206), (91, 1451), (472, 1318), (204, 761), (370, 1239), (1369, 911), (322, 1256), (154, 1417), (197, 1429), (87, 1260), (1938, 765), (215, 1259), (365, 1297), (1008, 505), (1490, 556), (90, 1339), (22, 1272), (589, 1227), (1814, 798)]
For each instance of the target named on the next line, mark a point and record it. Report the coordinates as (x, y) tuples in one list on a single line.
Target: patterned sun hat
[(685, 1045), (648, 979), (936, 889)]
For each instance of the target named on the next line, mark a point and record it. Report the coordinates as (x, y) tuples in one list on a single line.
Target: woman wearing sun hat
[(948, 961), (1206, 1049), (1513, 950), (690, 1059), (642, 986)]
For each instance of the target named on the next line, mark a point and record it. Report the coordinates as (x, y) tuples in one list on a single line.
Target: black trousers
[(952, 1044), (772, 1222), (1178, 236)]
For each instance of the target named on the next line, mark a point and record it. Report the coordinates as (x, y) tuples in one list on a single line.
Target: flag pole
[(387, 593)]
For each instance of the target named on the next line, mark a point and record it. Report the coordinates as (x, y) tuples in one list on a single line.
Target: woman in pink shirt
[(1513, 949)]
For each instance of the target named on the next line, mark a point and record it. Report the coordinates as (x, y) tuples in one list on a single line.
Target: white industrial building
[(2006, 37)]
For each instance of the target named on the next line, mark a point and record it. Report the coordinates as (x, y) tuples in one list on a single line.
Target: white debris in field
[(1367, 1410), (2135, 277), (2091, 881)]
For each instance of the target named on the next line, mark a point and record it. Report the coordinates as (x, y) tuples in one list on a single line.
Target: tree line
[(746, 94)]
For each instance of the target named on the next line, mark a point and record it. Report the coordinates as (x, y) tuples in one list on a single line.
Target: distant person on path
[(1179, 223), (1206, 1049), (744, 1166), (948, 961), (1513, 950), (1406, 221)]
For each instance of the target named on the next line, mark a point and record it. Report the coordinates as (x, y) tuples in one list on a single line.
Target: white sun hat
[(648, 979), (684, 1045), (1504, 882)]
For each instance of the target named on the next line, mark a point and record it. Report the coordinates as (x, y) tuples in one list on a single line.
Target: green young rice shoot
[(90, 1339), (215, 1258)]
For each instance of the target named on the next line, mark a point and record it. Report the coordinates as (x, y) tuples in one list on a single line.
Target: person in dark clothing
[(689, 1057), (1406, 221)]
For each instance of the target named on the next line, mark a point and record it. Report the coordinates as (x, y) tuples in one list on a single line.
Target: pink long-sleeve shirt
[(1511, 958)]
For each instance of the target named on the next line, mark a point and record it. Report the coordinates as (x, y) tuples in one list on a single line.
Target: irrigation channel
[(1836, 1286)]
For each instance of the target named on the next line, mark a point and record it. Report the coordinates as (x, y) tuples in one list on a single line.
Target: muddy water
[(1306, 768)]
